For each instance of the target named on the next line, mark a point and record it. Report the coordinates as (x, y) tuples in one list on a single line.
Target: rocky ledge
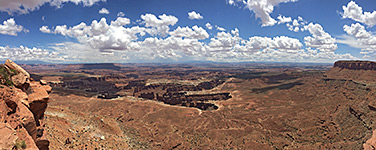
[(22, 106), (356, 65)]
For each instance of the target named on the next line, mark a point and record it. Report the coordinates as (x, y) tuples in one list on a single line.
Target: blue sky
[(241, 30)]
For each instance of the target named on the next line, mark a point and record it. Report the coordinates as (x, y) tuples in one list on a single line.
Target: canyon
[(205, 106)]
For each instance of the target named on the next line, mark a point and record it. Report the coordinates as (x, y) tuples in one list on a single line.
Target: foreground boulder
[(21, 79), (22, 106)]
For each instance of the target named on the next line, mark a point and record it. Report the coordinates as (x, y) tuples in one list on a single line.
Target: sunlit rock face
[(22, 105)]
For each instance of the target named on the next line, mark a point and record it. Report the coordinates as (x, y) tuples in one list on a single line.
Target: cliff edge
[(22, 106), (363, 71), (356, 65)]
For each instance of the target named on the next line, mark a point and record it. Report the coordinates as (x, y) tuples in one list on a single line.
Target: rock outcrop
[(21, 79), (356, 65), (363, 71), (22, 105)]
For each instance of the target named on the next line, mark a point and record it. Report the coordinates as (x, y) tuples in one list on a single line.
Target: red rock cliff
[(356, 65), (22, 105)]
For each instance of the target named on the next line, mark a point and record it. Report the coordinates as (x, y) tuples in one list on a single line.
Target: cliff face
[(356, 65), (364, 71), (22, 105)]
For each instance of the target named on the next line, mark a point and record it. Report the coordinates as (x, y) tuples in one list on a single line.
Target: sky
[(148, 31)]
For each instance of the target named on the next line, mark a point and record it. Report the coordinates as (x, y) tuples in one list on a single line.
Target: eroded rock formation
[(364, 71), (356, 65), (22, 105)]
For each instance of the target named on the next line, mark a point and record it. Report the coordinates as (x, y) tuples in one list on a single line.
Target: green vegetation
[(5, 76), (20, 144)]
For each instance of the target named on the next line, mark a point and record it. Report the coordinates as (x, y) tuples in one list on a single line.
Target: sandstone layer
[(356, 65), (22, 105), (364, 71)]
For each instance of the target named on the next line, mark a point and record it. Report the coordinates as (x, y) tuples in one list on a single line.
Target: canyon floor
[(217, 106)]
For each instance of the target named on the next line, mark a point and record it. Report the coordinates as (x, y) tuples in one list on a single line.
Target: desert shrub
[(20, 144), (6, 75)]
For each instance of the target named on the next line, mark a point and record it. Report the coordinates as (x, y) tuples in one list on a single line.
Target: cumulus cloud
[(297, 24), (160, 25), (104, 11), (364, 39), (319, 39), (283, 19), (122, 43), (194, 15), (26, 6), (220, 28), (102, 36), (355, 12), (262, 8), (209, 26), (26, 53), (120, 14), (9, 27), (195, 32), (45, 29), (230, 47)]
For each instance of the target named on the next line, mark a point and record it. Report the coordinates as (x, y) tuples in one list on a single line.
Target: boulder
[(22, 78), (16, 67), (43, 82)]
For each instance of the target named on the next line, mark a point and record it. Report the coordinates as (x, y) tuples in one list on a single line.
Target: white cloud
[(357, 30), (229, 47), (9, 27), (225, 42), (364, 39), (104, 11), (161, 25), (209, 26), (281, 43), (262, 9), (120, 14), (26, 6), (195, 32), (45, 29), (297, 24), (102, 36), (350, 40), (194, 15), (102, 42), (319, 39), (220, 28), (25, 53), (77, 52), (355, 12), (283, 19)]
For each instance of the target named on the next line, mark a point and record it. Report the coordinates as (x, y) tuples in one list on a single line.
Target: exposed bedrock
[(356, 65), (22, 105)]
